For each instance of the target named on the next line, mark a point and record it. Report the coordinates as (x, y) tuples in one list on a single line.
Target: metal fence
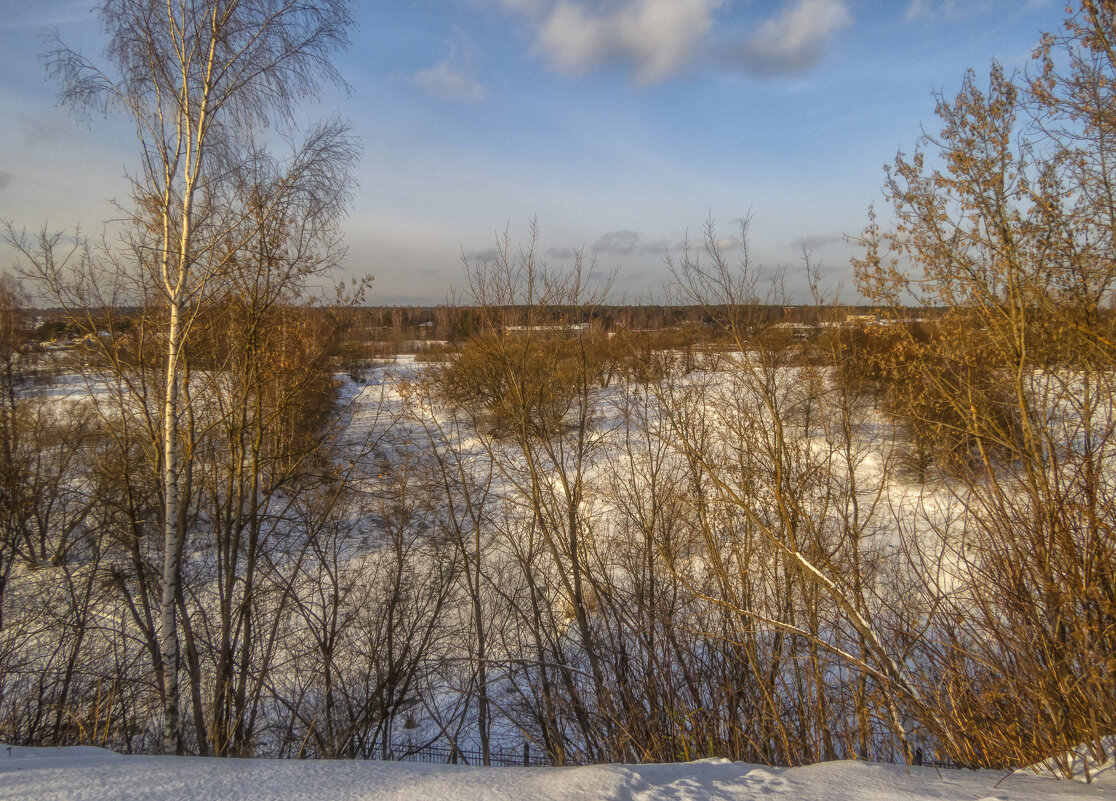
[(527, 757), (451, 755)]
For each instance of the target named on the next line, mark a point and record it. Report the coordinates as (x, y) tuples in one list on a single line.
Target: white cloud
[(628, 242), (442, 80), (794, 40), (524, 6), (952, 9), (919, 9), (658, 38), (817, 241)]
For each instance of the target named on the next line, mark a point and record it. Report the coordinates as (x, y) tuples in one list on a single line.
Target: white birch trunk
[(171, 535)]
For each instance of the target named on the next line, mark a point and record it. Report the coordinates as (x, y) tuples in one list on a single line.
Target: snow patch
[(1082, 763), (79, 774)]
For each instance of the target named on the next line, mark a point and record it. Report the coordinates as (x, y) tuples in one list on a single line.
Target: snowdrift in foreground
[(85, 774), (1083, 763)]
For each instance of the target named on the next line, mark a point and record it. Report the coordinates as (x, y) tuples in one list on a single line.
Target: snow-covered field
[(456, 536), (85, 774)]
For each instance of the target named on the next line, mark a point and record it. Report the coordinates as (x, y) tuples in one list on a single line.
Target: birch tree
[(197, 78)]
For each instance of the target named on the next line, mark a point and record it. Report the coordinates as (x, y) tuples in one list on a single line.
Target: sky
[(621, 126)]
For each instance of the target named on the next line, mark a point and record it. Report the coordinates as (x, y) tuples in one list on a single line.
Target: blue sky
[(621, 125)]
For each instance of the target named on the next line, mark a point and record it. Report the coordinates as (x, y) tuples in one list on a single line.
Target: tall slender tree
[(198, 78)]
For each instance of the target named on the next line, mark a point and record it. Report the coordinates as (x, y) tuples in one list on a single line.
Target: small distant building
[(571, 328), (800, 331)]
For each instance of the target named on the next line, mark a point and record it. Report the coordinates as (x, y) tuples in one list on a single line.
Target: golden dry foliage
[(1014, 232), (935, 380), (523, 383)]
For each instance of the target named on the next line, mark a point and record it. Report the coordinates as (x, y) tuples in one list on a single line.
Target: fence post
[(526, 754)]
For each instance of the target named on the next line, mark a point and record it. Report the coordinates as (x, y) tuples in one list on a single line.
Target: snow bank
[(85, 774), (1082, 764)]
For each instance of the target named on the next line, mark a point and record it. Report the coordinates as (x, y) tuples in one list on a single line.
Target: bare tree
[(1014, 232), (196, 77), (779, 445)]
